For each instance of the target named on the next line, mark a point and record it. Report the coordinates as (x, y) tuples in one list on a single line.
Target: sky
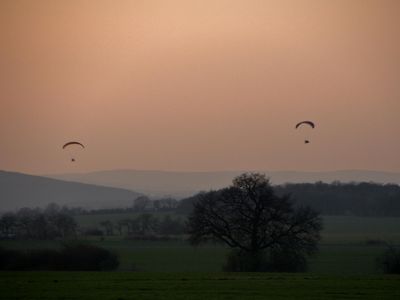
[(206, 85)]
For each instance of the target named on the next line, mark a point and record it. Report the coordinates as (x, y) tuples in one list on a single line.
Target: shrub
[(390, 260), (28, 260), (84, 257), (41, 259), (76, 257), (274, 260), (10, 259)]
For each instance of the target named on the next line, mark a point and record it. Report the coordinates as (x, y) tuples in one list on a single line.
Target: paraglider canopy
[(305, 123), (73, 143)]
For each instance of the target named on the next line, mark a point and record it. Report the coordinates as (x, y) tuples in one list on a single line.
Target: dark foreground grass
[(123, 286)]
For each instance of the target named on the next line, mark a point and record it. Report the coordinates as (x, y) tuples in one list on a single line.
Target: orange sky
[(199, 85)]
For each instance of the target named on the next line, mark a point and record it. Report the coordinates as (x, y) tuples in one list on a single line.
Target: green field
[(343, 249), (123, 286)]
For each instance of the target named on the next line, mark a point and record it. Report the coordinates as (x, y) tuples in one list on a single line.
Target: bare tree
[(254, 222), (65, 224), (8, 223), (146, 224), (119, 225), (108, 227)]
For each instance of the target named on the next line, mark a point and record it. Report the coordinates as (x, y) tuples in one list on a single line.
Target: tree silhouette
[(254, 222)]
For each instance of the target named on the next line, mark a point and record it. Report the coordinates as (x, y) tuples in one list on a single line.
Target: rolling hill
[(20, 190)]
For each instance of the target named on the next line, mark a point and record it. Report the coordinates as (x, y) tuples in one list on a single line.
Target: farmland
[(344, 268), (122, 285)]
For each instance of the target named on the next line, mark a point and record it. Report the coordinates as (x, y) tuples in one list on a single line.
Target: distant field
[(124, 286), (337, 229), (343, 249)]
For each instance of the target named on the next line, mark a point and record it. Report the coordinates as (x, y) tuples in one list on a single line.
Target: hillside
[(20, 190), (184, 184)]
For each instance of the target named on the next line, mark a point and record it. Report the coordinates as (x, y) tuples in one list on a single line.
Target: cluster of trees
[(144, 225), (50, 223), (359, 199)]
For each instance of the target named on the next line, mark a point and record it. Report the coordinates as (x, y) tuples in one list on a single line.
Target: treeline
[(55, 222), (140, 204), (27, 223), (358, 199), (143, 226)]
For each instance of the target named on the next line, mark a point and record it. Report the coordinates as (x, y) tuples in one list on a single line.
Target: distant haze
[(199, 85), (184, 184)]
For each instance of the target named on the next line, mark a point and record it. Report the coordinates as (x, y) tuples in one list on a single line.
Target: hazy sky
[(199, 85)]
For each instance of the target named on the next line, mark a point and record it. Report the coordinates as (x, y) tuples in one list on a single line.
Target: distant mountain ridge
[(21, 190), (183, 184)]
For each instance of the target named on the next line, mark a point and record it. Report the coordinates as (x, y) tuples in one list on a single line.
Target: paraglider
[(305, 123), (72, 146)]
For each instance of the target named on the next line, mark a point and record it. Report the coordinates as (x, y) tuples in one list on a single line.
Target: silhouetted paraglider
[(305, 123), (72, 144)]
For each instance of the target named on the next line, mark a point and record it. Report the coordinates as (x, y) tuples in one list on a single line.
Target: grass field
[(343, 249), (124, 286)]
